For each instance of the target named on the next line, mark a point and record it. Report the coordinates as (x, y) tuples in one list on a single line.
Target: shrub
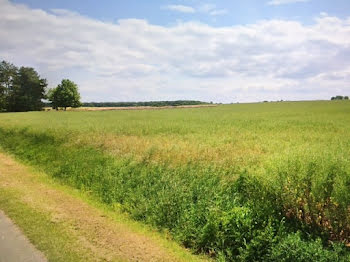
[(293, 249)]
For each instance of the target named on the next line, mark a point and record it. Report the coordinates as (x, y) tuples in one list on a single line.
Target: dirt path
[(14, 246), (105, 234)]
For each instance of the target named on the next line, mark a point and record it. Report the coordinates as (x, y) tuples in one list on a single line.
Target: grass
[(234, 182), (51, 238), (69, 225)]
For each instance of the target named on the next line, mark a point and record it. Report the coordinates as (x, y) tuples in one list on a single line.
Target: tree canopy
[(20, 89), (65, 95), (340, 98)]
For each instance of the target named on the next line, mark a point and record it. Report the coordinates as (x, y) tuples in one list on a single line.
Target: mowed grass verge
[(67, 225), (252, 182)]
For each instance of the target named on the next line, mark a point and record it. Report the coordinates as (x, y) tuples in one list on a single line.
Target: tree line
[(22, 89), (150, 103), (340, 98)]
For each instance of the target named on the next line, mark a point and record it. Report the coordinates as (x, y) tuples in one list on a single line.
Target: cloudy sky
[(221, 51)]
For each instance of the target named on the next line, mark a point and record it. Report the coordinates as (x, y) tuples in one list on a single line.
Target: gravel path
[(14, 246)]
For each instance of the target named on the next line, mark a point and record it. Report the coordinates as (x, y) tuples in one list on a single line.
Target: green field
[(242, 182)]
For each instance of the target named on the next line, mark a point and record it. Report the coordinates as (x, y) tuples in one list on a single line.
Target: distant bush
[(340, 98)]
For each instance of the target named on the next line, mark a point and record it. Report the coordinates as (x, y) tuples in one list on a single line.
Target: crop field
[(240, 182)]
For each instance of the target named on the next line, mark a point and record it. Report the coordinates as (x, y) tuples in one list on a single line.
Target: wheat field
[(240, 182)]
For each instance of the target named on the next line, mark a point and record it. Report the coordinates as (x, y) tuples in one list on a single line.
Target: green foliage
[(293, 249), (313, 191), (20, 89), (295, 158), (340, 98), (8, 73), (27, 92), (65, 95)]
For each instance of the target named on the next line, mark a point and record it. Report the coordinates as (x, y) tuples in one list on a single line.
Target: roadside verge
[(67, 225)]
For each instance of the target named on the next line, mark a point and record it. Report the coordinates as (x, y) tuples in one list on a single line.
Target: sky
[(221, 51)]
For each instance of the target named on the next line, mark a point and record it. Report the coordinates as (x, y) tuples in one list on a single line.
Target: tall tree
[(65, 95), (8, 73), (27, 91)]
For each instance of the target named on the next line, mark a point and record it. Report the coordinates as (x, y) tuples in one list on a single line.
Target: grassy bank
[(46, 235), (69, 225), (251, 182)]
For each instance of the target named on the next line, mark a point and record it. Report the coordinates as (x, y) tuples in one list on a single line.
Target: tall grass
[(278, 181)]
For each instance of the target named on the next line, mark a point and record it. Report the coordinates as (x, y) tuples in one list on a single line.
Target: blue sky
[(236, 12), (221, 51)]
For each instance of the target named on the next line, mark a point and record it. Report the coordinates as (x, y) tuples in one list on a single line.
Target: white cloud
[(180, 8), (218, 12), (135, 60), (208, 9), (211, 9), (283, 2)]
